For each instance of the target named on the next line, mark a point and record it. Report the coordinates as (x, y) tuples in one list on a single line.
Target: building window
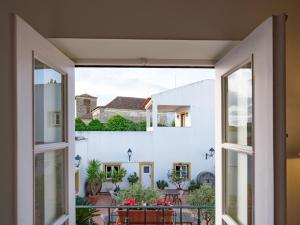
[(87, 102), (55, 119), (182, 170), (109, 168)]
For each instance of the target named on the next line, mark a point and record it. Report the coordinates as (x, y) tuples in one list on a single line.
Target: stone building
[(129, 107), (85, 103)]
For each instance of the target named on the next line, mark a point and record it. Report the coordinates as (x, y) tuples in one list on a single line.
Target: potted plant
[(137, 196), (176, 179), (95, 178), (85, 216), (133, 178), (117, 177), (162, 184), (204, 195)]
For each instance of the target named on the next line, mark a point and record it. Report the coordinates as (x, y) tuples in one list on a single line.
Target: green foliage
[(175, 178), (133, 178), (85, 216), (193, 185), (205, 195), (115, 123), (119, 123), (117, 177), (95, 176), (95, 125), (162, 184), (173, 123), (139, 193), (80, 125)]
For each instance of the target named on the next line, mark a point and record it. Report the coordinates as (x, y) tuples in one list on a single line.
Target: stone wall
[(85, 105)]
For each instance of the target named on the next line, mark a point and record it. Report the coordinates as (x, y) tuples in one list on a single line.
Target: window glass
[(146, 169), (49, 186), (48, 104), (239, 186), (182, 170), (110, 169), (239, 106)]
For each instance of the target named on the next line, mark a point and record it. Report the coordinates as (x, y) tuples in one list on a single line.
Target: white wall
[(163, 145)]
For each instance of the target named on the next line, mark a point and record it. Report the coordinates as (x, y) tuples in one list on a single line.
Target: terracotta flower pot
[(93, 199), (153, 217)]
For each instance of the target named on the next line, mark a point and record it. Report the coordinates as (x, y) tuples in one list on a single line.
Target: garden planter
[(153, 217), (93, 199)]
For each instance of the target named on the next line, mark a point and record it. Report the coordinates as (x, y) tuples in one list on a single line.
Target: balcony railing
[(152, 215)]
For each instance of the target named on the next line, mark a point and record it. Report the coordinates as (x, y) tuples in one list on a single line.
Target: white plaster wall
[(163, 145)]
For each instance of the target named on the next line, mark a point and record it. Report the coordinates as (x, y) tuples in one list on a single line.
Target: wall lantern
[(210, 154), (77, 160), (187, 114), (129, 153)]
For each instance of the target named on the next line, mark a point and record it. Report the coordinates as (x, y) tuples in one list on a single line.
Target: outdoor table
[(172, 195)]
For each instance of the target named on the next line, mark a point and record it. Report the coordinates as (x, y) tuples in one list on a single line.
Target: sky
[(107, 83)]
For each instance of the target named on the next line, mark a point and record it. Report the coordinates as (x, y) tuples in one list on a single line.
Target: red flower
[(163, 202), (130, 201)]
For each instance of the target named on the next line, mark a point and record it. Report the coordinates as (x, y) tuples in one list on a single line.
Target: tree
[(119, 123), (95, 125), (80, 125), (117, 177), (175, 178), (205, 195)]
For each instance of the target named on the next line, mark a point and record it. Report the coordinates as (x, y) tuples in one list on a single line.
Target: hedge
[(115, 123)]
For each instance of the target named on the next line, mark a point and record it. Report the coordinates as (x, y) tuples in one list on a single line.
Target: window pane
[(48, 104), (239, 186), (49, 186), (239, 106)]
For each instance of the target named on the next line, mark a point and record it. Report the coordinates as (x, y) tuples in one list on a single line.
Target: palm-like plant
[(117, 177), (85, 216), (95, 176)]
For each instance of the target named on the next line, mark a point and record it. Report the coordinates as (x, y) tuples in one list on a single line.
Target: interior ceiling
[(101, 51)]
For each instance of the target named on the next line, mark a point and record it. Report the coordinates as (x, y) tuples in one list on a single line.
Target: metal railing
[(153, 215)]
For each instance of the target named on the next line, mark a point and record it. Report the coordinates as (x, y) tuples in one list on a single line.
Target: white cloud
[(107, 83)]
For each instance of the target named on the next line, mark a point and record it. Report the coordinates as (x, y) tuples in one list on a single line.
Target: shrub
[(139, 193), (162, 184), (193, 185), (133, 178), (205, 195), (85, 216), (80, 125), (95, 125)]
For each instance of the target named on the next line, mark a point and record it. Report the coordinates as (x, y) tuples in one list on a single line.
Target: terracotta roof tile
[(126, 103)]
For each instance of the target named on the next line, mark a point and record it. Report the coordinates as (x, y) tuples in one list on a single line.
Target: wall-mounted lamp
[(80, 138), (129, 153), (77, 160), (187, 114), (210, 153)]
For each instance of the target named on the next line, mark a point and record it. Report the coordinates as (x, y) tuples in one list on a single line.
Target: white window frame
[(29, 45)]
